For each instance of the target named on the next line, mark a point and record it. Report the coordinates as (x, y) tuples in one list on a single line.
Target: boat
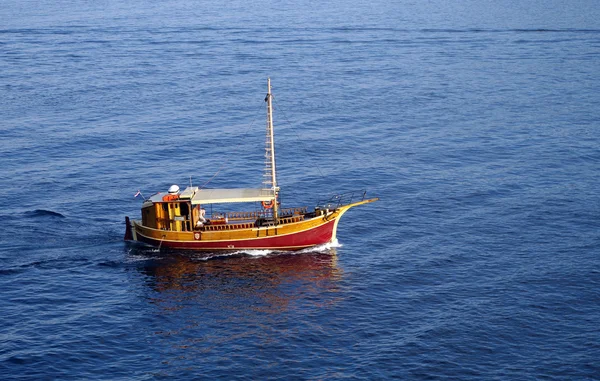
[(178, 219)]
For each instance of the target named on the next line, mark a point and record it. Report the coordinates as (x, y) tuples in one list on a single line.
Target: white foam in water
[(313, 249), (217, 255), (132, 258), (324, 248), (255, 253), (252, 253), (320, 248)]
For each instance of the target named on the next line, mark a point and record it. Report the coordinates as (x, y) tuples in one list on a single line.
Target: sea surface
[(476, 123)]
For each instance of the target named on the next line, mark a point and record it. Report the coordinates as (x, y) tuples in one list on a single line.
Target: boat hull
[(291, 236), (265, 238)]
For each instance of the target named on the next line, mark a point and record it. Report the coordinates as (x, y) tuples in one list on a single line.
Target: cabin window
[(184, 209), (184, 212)]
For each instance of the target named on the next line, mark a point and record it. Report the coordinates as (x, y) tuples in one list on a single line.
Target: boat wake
[(143, 253), (324, 248), (319, 249), (256, 253), (234, 254)]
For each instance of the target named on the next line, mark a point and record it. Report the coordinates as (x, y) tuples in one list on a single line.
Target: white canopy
[(216, 196)]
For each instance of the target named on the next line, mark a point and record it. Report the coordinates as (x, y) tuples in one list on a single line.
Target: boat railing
[(289, 212), (342, 199), (248, 225), (245, 216), (237, 216), (290, 220)]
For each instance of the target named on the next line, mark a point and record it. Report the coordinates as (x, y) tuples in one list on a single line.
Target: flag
[(138, 193)]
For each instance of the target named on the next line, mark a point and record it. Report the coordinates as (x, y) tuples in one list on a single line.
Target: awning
[(217, 196)]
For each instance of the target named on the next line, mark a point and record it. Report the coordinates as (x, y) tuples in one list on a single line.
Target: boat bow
[(339, 211)]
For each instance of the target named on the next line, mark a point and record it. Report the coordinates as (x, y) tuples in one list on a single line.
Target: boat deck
[(249, 225)]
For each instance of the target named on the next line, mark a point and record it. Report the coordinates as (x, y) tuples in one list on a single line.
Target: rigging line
[(235, 150), (161, 241), (300, 140)]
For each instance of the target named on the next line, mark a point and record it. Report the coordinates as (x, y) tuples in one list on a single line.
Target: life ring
[(268, 205), (170, 197)]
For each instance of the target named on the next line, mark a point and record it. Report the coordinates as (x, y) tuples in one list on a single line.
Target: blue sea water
[(476, 122)]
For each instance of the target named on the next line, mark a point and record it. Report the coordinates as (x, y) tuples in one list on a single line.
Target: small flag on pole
[(138, 193)]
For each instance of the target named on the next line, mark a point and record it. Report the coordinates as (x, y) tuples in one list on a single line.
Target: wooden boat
[(177, 220)]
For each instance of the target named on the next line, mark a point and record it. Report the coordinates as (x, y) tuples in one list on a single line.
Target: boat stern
[(128, 230)]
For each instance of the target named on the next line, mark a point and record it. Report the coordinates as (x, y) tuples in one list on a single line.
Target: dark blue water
[(477, 124)]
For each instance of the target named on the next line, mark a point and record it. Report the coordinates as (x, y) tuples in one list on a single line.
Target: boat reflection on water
[(249, 302), (255, 280)]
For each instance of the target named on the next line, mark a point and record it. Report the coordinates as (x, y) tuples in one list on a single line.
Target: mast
[(270, 152)]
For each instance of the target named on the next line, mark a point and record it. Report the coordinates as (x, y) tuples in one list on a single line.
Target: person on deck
[(201, 219)]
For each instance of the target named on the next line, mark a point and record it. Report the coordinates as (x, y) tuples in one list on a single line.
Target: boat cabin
[(183, 211)]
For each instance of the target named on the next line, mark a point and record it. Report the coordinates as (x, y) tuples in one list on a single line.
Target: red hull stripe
[(316, 236)]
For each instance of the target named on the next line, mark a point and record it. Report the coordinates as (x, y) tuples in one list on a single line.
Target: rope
[(161, 241)]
